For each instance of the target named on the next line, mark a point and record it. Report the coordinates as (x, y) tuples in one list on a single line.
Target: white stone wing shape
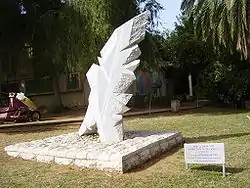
[(110, 80)]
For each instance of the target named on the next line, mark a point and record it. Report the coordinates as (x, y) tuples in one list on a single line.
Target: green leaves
[(11, 32), (69, 36), (65, 35), (239, 26), (155, 8), (224, 22)]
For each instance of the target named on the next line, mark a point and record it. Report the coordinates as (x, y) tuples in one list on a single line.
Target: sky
[(171, 10)]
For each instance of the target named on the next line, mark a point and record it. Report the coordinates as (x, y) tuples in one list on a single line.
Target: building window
[(39, 86), (10, 87), (73, 82)]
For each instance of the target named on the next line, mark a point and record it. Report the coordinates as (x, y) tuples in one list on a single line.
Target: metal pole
[(186, 165), (190, 85), (224, 170), (197, 93)]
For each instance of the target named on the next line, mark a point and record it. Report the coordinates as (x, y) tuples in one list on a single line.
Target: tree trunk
[(57, 92)]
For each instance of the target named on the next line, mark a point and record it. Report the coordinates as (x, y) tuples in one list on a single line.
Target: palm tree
[(224, 22)]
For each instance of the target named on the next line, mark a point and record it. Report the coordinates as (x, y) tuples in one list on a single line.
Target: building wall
[(71, 96), (69, 99), (146, 80), (75, 97)]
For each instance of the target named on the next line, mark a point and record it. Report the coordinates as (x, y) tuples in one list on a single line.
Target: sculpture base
[(87, 151)]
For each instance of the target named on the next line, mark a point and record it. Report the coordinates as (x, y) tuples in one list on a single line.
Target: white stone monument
[(107, 103), (110, 80)]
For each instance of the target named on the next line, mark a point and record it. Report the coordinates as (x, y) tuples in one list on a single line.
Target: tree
[(11, 35), (185, 54), (64, 35), (223, 75), (45, 27), (155, 8), (224, 22), (69, 35)]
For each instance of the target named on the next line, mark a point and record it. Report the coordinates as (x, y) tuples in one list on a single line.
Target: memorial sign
[(208, 153)]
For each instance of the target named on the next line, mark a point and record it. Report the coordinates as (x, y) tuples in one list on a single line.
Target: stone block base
[(88, 152)]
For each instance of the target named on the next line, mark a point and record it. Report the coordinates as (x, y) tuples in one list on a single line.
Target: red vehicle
[(18, 108)]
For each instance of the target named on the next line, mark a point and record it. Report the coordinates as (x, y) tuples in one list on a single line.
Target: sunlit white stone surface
[(110, 80), (87, 151)]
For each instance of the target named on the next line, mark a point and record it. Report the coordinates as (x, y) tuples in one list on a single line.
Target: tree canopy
[(223, 22), (64, 36), (218, 73)]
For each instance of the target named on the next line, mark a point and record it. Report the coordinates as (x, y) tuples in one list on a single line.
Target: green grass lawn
[(168, 170)]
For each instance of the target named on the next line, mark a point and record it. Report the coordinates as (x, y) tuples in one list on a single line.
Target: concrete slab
[(86, 151)]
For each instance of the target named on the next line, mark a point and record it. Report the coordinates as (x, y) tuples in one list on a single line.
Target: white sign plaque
[(207, 153)]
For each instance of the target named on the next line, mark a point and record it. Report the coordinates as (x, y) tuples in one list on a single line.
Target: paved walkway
[(79, 118)]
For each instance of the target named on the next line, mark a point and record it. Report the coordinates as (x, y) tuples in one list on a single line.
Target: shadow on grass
[(154, 160), (34, 129), (214, 137), (71, 113), (218, 168), (220, 111), (204, 111), (61, 116)]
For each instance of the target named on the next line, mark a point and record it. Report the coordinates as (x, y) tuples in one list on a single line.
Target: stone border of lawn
[(70, 149), (80, 119)]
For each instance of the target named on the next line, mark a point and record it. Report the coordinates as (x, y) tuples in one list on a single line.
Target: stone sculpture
[(110, 80)]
